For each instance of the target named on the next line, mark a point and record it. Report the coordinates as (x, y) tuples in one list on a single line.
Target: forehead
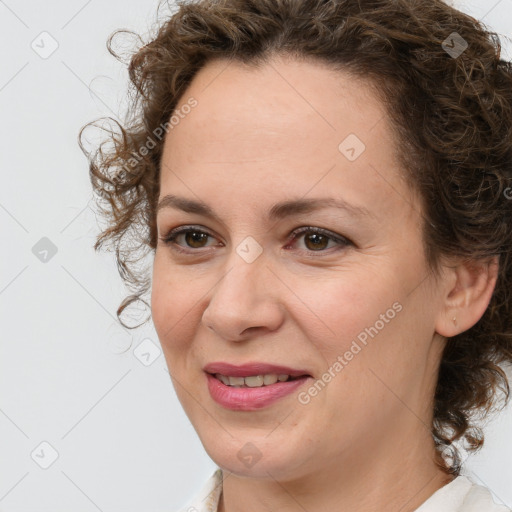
[(279, 97), (284, 127)]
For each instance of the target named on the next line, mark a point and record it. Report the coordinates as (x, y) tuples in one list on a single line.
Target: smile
[(253, 394), (254, 381)]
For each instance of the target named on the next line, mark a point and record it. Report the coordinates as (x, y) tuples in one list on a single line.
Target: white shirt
[(459, 495)]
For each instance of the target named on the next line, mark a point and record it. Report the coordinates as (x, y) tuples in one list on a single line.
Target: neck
[(392, 476)]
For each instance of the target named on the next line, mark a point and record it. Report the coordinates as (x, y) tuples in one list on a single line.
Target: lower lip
[(250, 399)]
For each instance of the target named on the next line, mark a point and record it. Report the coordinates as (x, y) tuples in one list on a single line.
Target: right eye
[(193, 238)]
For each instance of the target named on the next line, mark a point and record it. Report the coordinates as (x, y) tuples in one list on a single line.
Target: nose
[(245, 302)]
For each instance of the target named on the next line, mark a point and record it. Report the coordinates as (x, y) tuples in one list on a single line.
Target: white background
[(123, 441)]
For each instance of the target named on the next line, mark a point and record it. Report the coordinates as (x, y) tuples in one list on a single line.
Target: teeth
[(236, 381), (253, 381), (269, 379), (222, 378)]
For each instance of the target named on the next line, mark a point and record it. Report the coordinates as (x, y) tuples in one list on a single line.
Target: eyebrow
[(278, 210)]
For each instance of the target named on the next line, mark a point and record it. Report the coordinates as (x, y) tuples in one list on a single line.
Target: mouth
[(253, 374), (255, 381), (252, 386)]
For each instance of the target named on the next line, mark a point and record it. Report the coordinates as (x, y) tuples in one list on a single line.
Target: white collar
[(459, 495)]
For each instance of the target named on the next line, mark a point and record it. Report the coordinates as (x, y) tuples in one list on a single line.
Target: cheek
[(161, 299), (337, 310), (172, 306), (356, 329)]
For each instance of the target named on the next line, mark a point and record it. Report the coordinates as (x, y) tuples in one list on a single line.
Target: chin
[(256, 457)]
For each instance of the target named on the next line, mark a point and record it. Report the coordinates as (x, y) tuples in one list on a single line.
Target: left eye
[(315, 239)]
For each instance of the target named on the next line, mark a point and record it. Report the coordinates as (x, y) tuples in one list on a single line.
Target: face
[(335, 289)]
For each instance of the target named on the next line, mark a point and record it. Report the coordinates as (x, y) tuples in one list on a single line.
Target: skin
[(256, 137)]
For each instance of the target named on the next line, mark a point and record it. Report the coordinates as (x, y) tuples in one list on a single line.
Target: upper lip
[(252, 368)]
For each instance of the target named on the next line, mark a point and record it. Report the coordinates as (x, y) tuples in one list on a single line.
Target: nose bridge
[(242, 297), (246, 269), (241, 285)]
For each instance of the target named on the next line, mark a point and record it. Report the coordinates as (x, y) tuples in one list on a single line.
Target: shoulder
[(462, 495), (479, 499), (207, 499)]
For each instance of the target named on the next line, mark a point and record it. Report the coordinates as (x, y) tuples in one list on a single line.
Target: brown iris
[(317, 240), (195, 237)]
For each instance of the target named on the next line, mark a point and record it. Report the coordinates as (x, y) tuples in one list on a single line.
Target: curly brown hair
[(448, 94)]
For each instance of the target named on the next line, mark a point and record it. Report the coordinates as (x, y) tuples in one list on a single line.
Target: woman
[(326, 189)]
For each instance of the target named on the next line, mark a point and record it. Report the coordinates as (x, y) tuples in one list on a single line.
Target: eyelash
[(170, 237)]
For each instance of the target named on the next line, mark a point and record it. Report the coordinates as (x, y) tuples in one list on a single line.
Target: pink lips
[(251, 399)]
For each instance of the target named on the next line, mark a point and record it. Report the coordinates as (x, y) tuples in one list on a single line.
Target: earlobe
[(468, 291)]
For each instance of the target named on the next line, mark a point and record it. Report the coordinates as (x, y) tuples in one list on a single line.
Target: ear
[(468, 291)]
